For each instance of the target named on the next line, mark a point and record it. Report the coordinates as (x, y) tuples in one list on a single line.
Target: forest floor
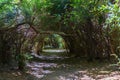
[(63, 69)]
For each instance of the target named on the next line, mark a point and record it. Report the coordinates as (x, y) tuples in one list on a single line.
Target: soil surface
[(59, 68)]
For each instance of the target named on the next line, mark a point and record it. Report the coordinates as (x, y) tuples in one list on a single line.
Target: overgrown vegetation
[(89, 28)]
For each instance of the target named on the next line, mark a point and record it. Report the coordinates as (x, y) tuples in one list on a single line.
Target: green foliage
[(28, 56), (54, 41), (6, 12), (113, 23), (94, 24)]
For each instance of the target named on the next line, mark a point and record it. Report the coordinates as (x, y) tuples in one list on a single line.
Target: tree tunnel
[(50, 43)]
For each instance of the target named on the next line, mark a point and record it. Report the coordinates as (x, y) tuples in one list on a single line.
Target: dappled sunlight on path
[(57, 68)]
